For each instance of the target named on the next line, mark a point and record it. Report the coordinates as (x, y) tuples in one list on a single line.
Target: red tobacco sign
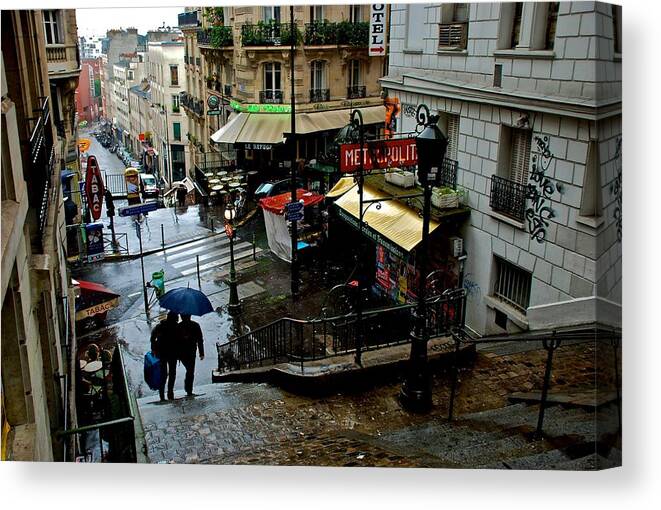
[(378, 154), (94, 188)]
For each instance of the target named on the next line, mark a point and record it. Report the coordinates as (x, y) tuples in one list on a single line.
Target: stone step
[(537, 461)]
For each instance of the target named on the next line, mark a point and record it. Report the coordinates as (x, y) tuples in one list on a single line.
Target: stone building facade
[(40, 71), (116, 43), (529, 95)]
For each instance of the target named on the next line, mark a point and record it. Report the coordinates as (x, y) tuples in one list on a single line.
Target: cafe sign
[(378, 154), (94, 188)]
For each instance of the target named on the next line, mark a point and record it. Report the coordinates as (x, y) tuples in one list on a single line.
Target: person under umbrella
[(163, 346), (187, 302)]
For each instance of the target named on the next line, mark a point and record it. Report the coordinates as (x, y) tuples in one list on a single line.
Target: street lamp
[(431, 145), (234, 306)]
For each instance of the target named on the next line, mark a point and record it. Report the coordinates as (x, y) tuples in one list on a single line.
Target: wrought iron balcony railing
[(321, 33), (452, 35), (216, 37), (271, 96), (189, 19), (266, 34), (356, 92), (42, 163), (508, 197), (319, 95), (448, 173)]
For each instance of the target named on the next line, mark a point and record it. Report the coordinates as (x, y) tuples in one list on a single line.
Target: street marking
[(188, 245), (134, 294), (210, 255), (200, 249), (216, 263)]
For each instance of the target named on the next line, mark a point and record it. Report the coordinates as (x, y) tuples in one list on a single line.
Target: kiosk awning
[(394, 225), (270, 128)]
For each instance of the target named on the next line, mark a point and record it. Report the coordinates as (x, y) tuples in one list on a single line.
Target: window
[(176, 128), (355, 13), (354, 73), (515, 154), (129, 75), (453, 29), (175, 103), (272, 76), (51, 27), (516, 25), (591, 195), (271, 12), (316, 13), (616, 11), (449, 125), (512, 285), (318, 77), (415, 19), (551, 24), (174, 75)]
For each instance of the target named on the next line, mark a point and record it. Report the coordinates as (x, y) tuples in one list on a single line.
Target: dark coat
[(164, 340), (189, 340)]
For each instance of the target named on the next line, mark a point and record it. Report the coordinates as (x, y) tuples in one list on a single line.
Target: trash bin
[(158, 282)]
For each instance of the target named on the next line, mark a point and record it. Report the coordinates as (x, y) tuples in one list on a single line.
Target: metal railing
[(319, 95), (550, 341), (191, 103), (188, 19), (271, 96), (452, 35), (508, 197), (448, 173), (216, 37), (304, 340), (356, 92), (321, 33), (116, 184), (119, 247), (42, 163), (272, 33)]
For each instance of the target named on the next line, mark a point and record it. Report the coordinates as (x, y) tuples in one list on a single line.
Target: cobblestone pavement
[(236, 423)]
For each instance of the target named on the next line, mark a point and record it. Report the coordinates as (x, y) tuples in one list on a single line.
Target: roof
[(277, 203), (270, 128), (394, 221)]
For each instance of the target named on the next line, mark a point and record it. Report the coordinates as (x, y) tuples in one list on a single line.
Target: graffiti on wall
[(539, 191), (616, 189)]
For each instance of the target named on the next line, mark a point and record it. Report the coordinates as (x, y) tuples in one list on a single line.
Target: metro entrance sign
[(378, 154)]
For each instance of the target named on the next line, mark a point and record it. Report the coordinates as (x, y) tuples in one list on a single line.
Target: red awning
[(277, 203), (95, 287)]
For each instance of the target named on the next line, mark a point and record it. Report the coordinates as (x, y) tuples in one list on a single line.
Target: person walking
[(164, 347), (189, 341), (181, 195)]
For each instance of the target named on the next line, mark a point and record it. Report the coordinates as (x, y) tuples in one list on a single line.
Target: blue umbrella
[(186, 301)]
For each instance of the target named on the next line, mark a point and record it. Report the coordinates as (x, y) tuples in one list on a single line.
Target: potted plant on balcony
[(221, 36)]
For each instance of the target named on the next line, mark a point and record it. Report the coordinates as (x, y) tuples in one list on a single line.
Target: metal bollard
[(212, 228), (162, 237), (254, 247), (197, 265)]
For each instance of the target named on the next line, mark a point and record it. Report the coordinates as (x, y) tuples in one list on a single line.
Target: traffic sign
[(134, 210), (292, 207), (294, 216)]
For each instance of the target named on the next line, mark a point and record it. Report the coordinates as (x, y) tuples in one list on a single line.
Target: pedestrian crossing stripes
[(211, 253)]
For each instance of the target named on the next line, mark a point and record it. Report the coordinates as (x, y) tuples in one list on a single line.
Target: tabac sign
[(377, 47), (94, 188), (378, 154)]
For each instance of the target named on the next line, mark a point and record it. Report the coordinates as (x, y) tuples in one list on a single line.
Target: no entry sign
[(94, 188), (378, 154), (377, 47)]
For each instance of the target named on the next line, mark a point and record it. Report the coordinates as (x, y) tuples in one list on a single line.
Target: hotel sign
[(378, 154), (377, 47)]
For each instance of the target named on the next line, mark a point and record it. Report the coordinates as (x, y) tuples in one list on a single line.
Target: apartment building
[(127, 73), (167, 81), (529, 95), (40, 71), (90, 47), (238, 66), (88, 93), (115, 43)]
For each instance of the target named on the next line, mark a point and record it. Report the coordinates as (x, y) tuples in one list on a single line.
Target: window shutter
[(453, 136), (520, 156)]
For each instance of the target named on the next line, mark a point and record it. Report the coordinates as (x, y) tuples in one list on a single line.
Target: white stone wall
[(576, 263)]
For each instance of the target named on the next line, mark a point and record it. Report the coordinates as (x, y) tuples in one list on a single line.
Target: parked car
[(148, 186), (273, 188)]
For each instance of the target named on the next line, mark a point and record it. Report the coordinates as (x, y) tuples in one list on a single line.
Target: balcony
[(343, 33), (271, 96), (63, 60), (508, 198), (42, 163), (189, 19), (266, 34), (356, 92), (215, 37), (452, 36), (191, 103), (319, 95), (448, 174)]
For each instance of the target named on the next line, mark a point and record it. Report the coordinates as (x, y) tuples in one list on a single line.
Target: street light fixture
[(234, 306), (431, 145)]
